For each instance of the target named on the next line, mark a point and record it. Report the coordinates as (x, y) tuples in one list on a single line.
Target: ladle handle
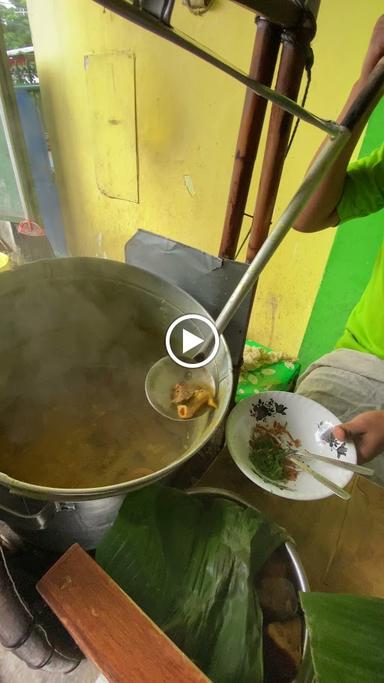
[(324, 161), (369, 96)]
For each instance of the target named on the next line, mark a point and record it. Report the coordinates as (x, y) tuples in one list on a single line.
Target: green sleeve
[(364, 187)]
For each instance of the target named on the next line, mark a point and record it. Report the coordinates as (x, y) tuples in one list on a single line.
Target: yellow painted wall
[(173, 128)]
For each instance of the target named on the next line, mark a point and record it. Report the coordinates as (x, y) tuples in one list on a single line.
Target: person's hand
[(375, 50), (367, 433)]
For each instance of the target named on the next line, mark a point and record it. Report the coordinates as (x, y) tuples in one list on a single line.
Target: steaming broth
[(97, 429)]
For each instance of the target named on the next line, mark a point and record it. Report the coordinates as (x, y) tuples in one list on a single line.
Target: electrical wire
[(308, 69), (245, 238)]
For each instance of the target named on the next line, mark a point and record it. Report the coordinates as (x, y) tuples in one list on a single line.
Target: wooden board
[(109, 627)]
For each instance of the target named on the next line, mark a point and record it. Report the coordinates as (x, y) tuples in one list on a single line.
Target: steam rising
[(63, 323)]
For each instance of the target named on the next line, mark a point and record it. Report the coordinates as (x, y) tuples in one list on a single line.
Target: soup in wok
[(97, 429), (77, 339)]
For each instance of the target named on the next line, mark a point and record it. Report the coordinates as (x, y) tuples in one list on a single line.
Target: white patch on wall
[(188, 182), (99, 246), (112, 115)]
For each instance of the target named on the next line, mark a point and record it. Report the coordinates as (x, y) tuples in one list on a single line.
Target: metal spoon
[(337, 490), (359, 469)]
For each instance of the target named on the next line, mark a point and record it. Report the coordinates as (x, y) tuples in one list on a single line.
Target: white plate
[(303, 419)]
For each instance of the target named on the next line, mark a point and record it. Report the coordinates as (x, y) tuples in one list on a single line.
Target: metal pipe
[(265, 51), (150, 23), (314, 176), (287, 13), (291, 67)]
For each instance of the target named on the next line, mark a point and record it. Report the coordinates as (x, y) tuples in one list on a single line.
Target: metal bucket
[(305, 673), (63, 314)]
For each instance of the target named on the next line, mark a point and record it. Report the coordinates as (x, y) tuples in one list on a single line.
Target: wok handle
[(33, 522)]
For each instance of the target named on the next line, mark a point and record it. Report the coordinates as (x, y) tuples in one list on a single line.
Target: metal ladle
[(164, 374)]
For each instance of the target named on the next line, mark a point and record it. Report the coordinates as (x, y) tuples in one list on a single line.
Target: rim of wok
[(47, 266)]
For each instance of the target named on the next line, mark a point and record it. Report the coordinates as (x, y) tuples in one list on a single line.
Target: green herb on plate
[(269, 458)]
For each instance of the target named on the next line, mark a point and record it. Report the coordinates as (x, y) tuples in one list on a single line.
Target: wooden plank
[(357, 560), (109, 627)]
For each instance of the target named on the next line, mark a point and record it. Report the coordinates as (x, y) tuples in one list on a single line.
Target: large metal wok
[(64, 314)]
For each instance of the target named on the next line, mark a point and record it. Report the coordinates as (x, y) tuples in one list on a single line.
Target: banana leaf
[(190, 563), (346, 637)]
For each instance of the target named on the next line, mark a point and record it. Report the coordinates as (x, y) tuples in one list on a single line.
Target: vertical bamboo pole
[(291, 67), (262, 67)]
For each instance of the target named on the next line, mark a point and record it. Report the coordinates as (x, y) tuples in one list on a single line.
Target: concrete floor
[(13, 670)]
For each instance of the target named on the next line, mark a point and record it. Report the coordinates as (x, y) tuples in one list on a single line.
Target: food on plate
[(189, 398), (269, 458)]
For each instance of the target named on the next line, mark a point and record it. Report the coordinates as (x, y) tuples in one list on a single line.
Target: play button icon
[(190, 341), (181, 342)]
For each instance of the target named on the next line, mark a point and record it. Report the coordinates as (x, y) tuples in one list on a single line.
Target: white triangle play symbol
[(190, 341)]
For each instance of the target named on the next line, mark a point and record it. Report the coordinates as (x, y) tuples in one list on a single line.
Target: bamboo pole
[(289, 77), (265, 51)]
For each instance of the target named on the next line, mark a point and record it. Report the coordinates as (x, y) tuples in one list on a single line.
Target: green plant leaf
[(346, 636), (190, 562)]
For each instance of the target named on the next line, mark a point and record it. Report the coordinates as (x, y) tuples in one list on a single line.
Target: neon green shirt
[(364, 194)]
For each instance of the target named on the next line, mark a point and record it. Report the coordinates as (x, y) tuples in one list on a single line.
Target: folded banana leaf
[(190, 563), (346, 636)]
